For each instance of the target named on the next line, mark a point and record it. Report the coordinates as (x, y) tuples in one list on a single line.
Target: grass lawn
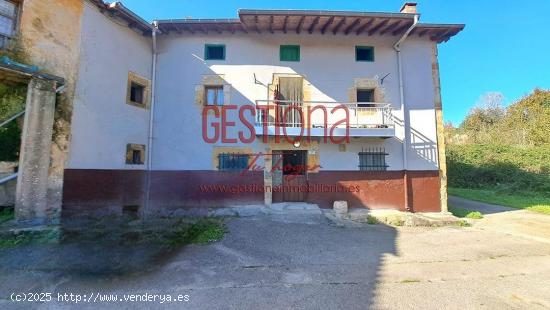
[(528, 201), (169, 233), (202, 232)]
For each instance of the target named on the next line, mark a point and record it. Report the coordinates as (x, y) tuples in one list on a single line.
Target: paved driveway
[(303, 263)]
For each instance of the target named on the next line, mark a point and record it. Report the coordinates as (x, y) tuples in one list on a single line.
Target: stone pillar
[(34, 160), (440, 128)]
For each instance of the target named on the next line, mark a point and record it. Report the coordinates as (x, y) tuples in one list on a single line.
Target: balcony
[(318, 119)]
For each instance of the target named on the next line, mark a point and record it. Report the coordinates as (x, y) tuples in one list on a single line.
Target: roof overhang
[(117, 9), (437, 32), (310, 22), (14, 75)]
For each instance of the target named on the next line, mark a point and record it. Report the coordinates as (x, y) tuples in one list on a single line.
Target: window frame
[(379, 162), (218, 87), (4, 38), (235, 157), (133, 78), (281, 47), (207, 54), (143, 92), (365, 104), (131, 149), (364, 47)]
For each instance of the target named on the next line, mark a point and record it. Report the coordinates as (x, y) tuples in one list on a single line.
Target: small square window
[(214, 52), (213, 95), (367, 96), (364, 53), (135, 154), (289, 53), (137, 93)]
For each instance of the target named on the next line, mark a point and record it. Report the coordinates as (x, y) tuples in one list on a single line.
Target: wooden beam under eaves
[(313, 24), (339, 25), (285, 22), (401, 29), (390, 27), (377, 27), (300, 24), (441, 36), (328, 23), (350, 27), (364, 26), (256, 24), (423, 32)]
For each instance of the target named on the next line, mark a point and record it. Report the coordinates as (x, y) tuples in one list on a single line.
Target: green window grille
[(214, 52), (290, 53), (364, 53)]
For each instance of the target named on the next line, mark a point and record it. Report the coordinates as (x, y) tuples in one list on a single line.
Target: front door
[(294, 176)]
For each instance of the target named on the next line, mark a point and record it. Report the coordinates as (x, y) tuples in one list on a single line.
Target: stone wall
[(50, 39)]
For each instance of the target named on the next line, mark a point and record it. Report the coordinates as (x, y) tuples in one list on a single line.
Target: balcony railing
[(286, 113), (358, 118)]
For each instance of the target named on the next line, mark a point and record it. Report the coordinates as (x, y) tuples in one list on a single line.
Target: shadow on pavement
[(262, 261)]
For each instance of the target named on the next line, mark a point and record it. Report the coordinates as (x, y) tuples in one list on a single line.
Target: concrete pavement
[(505, 220), (305, 263), (482, 207)]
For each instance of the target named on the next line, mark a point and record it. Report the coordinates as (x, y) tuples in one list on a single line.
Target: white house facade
[(274, 106)]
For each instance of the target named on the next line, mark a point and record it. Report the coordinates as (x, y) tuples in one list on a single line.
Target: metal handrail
[(9, 178), (4, 123), (382, 104), (378, 109)]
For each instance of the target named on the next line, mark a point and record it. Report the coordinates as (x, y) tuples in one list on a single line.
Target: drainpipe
[(153, 84), (397, 48), (151, 119)]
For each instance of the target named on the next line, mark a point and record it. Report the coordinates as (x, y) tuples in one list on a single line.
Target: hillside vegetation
[(12, 100), (504, 150)]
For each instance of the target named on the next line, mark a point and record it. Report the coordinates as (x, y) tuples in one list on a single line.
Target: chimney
[(408, 7)]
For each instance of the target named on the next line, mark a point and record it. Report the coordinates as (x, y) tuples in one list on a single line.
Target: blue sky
[(505, 47)]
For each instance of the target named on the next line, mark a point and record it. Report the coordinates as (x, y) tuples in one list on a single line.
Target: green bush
[(12, 101), (504, 168), (10, 140)]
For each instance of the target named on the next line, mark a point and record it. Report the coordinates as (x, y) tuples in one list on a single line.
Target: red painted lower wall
[(379, 189), (108, 191)]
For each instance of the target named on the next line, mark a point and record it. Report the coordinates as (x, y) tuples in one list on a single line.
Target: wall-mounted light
[(382, 79), (297, 143)]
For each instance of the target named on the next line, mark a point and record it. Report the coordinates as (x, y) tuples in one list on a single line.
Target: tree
[(482, 120)]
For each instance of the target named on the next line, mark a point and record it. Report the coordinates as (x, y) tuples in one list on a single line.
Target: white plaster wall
[(102, 122), (327, 62), (331, 158)]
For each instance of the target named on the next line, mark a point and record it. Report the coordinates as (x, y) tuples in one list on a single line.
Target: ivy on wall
[(12, 101)]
